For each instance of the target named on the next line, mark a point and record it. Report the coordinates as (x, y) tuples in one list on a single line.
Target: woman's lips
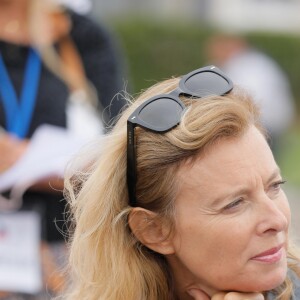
[(272, 255)]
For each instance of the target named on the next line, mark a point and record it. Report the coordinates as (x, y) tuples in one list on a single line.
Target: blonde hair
[(106, 260)]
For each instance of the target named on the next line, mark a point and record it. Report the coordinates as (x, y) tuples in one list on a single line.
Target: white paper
[(49, 151), (20, 264)]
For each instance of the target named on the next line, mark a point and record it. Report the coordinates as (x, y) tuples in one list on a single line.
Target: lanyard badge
[(19, 113)]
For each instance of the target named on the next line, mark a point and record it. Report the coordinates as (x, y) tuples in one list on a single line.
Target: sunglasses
[(163, 112)]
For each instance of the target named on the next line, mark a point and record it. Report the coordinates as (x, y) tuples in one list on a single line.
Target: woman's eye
[(276, 186), (234, 204)]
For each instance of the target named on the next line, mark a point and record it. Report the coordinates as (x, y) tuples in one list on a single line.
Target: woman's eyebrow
[(237, 191), (242, 189), (274, 174)]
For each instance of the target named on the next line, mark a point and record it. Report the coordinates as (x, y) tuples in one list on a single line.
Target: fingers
[(237, 296), (11, 150), (197, 294)]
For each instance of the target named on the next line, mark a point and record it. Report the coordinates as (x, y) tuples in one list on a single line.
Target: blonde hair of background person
[(49, 18), (107, 260), (42, 24)]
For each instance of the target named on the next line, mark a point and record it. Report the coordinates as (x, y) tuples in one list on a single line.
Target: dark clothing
[(101, 61), (52, 93), (102, 68)]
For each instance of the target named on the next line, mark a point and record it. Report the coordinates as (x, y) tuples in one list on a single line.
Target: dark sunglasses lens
[(207, 83), (161, 114)]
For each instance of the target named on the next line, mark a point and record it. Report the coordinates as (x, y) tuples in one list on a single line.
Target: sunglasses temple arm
[(131, 164)]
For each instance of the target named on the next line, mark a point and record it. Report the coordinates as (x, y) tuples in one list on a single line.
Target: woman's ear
[(150, 230)]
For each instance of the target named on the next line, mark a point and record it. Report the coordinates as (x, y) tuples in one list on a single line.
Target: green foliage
[(157, 50), (289, 158)]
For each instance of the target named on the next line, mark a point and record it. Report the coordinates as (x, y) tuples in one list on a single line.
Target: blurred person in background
[(261, 76), (55, 66)]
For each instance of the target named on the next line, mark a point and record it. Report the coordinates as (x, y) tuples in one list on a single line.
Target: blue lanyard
[(19, 113)]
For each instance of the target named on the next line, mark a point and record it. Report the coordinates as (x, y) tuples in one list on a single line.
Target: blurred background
[(96, 48), (163, 38)]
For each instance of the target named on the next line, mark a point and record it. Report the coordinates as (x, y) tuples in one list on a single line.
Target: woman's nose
[(274, 215)]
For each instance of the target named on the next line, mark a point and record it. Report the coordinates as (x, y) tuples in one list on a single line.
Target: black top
[(100, 60)]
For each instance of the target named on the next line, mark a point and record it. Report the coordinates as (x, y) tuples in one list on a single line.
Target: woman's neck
[(183, 279), (13, 21)]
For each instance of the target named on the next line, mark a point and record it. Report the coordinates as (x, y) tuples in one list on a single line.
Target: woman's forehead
[(228, 159)]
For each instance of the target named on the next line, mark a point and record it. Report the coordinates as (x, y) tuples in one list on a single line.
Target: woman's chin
[(268, 277), (266, 284), (274, 283), (265, 281), (275, 279)]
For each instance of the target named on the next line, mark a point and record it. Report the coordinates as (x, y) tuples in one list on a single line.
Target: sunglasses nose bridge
[(176, 92)]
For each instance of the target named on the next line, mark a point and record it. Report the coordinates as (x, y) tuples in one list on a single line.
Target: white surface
[(80, 6), (48, 153), (20, 267)]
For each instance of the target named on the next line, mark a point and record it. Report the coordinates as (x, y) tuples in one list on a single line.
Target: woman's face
[(232, 219)]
